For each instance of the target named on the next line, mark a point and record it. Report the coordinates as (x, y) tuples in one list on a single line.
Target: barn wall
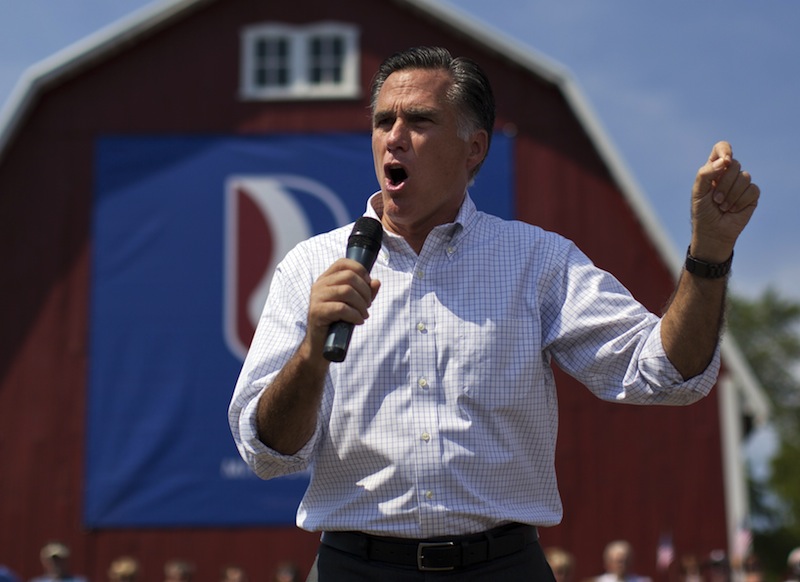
[(624, 472)]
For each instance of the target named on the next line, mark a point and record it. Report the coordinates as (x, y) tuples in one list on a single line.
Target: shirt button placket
[(423, 398)]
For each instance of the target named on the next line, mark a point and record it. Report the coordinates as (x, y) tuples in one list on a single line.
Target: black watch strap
[(707, 270)]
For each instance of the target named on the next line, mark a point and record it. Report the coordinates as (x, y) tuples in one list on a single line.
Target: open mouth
[(396, 175)]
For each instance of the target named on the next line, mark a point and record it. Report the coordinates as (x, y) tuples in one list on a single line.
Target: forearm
[(723, 201), (288, 410), (692, 324)]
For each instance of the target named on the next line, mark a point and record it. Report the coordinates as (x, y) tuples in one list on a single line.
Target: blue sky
[(665, 80)]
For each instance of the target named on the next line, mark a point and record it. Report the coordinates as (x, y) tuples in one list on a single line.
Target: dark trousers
[(528, 565)]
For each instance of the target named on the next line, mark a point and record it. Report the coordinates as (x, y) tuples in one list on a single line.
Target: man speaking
[(432, 445)]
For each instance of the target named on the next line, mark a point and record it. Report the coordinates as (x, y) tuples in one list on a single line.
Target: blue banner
[(186, 233)]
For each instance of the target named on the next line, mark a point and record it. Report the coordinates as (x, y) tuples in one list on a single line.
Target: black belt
[(437, 553)]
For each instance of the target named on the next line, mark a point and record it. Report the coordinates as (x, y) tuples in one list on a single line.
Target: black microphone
[(362, 246)]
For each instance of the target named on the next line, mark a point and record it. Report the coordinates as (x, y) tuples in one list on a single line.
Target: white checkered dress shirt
[(443, 418)]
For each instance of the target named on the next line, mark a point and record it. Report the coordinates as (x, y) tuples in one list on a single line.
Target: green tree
[(767, 330)]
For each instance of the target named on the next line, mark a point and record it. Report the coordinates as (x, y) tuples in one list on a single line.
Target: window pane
[(326, 56), (271, 62), (261, 48)]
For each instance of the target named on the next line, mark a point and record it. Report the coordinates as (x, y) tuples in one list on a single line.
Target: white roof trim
[(146, 19), (79, 55), (754, 401), (734, 474)]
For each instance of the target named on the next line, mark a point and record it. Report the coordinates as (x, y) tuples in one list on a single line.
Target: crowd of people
[(618, 566), (56, 568)]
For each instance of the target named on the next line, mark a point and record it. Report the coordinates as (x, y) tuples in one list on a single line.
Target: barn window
[(317, 61), (271, 63)]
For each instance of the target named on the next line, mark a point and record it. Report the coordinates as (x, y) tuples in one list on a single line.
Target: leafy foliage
[(768, 333)]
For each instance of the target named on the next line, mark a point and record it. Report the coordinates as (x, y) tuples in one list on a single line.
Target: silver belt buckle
[(421, 557)]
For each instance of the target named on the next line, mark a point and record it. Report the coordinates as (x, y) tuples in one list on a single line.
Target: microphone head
[(367, 233)]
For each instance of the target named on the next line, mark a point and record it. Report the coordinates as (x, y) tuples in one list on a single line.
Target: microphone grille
[(367, 232)]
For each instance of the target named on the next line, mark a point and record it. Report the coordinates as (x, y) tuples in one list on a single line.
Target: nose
[(397, 137)]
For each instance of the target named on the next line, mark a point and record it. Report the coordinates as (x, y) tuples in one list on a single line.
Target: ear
[(478, 148)]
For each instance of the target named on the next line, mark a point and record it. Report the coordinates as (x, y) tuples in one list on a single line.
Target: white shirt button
[(422, 383), (419, 273), (421, 326), (429, 494), (425, 436)]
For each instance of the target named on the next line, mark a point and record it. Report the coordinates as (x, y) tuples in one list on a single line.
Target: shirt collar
[(465, 218)]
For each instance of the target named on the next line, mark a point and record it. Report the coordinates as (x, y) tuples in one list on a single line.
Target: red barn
[(107, 150)]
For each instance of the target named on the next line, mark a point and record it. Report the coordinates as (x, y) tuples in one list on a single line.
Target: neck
[(414, 233)]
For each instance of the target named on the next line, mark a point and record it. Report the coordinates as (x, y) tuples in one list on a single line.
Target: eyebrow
[(380, 116), (411, 113)]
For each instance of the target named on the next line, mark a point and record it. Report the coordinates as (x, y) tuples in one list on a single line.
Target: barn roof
[(125, 32)]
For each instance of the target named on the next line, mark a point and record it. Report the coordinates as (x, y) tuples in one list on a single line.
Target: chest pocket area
[(497, 361)]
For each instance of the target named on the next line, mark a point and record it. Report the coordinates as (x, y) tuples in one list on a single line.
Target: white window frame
[(299, 85)]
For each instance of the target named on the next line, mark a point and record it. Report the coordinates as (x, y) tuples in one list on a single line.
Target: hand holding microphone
[(363, 246)]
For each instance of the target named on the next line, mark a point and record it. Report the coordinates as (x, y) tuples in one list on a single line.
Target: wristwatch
[(707, 270)]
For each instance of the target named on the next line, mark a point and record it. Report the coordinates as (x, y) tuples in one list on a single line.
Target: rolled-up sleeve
[(665, 380), (280, 330), (264, 461), (601, 335)]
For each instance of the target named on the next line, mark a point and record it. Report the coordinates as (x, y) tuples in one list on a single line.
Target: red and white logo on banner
[(265, 218)]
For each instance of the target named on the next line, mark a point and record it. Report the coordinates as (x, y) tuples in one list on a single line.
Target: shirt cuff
[(266, 462), (661, 374)]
